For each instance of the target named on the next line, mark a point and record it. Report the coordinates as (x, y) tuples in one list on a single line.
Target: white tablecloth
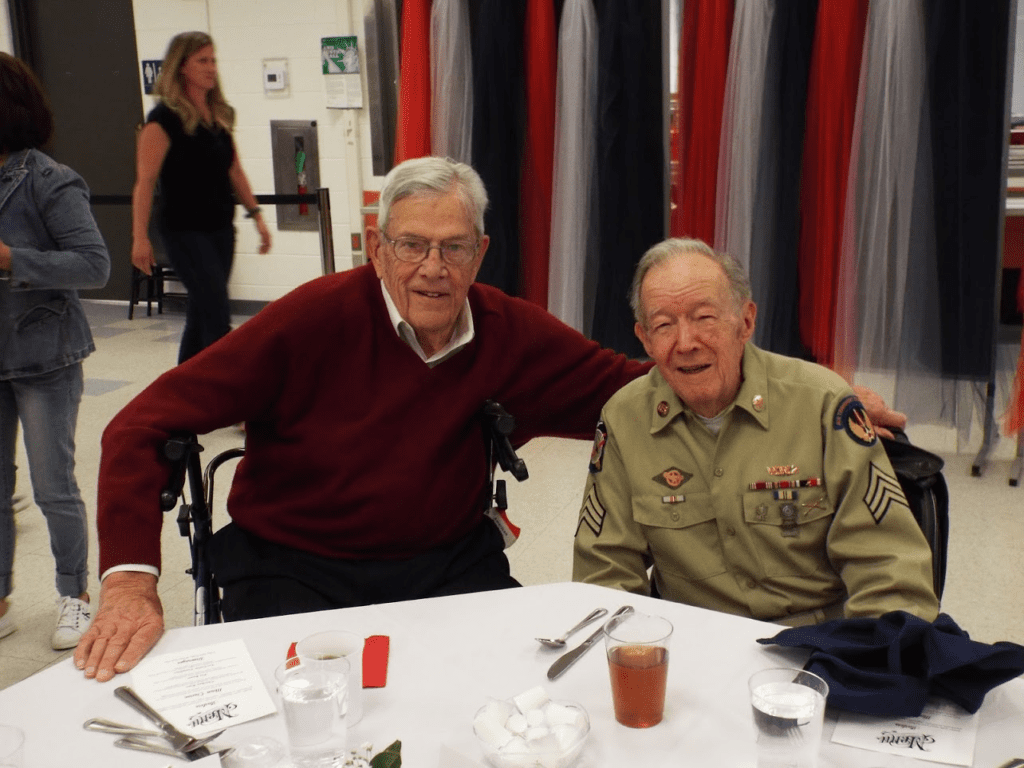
[(449, 655)]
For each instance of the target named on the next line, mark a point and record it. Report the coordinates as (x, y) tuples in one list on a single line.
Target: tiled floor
[(984, 584)]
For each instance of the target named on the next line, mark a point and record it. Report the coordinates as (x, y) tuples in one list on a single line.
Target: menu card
[(942, 733), (204, 689)]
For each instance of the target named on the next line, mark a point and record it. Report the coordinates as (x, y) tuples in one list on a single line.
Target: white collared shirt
[(461, 336)]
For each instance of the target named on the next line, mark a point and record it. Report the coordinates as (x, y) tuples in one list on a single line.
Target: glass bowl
[(554, 742)]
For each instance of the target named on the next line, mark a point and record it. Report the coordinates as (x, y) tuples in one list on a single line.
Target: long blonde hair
[(171, 90)]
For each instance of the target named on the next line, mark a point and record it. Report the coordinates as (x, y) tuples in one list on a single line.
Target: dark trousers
[(202, 261), (259, 578)]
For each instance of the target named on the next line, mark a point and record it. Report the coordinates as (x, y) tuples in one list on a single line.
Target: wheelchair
[(195, 516)]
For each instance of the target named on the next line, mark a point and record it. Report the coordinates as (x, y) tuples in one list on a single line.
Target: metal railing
[(321, 199)]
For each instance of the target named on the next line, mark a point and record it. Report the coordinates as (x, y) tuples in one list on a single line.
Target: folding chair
[(195, 517)]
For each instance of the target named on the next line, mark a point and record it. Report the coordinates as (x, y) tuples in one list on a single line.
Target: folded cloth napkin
[(889, 666)]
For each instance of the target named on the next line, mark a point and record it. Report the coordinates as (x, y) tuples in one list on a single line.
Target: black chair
[(155, 288), (195, 516), (920, 476)]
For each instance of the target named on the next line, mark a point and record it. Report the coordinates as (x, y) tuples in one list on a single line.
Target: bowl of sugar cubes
[(531, 731)]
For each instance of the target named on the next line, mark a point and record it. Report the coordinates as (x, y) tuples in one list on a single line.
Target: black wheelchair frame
[(195, 515)]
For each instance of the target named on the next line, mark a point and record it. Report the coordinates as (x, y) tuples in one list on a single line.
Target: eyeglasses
[(415, 249)]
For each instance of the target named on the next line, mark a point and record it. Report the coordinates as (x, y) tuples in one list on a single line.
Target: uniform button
[(675, 516), (719, 472), (751, 583)]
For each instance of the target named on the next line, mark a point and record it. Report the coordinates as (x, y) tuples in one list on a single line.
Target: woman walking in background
[(187, 144), (49, 247)]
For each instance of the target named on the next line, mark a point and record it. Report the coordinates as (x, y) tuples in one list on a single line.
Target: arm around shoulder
[(127, 625)]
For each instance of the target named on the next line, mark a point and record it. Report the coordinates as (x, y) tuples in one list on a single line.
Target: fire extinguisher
[(300, 173)]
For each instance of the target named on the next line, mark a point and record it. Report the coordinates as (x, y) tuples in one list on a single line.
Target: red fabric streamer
[(540, 56), (412, 134), (704, 61), (1013, 421), (831, 109)]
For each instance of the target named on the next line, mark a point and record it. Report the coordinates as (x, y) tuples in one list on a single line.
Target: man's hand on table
[(881, 415), (127, 624)]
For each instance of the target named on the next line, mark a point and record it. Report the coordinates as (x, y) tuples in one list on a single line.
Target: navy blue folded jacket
[(889, 666)]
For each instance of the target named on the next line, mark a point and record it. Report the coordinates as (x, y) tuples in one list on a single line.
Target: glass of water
[(312, 704), (789, 712)]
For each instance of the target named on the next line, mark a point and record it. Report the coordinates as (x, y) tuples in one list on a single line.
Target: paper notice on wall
[(340, 59)]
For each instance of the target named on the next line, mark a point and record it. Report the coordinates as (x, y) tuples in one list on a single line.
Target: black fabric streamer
[(498, 115), (631, 159), (778, 311), (890, 666), (967, 50)]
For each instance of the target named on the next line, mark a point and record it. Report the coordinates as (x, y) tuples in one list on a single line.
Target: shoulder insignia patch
[(592, 513), (673, 477), (597, 452), (851, 416), (883, 492)]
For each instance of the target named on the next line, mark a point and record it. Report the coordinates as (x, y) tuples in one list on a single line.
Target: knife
[(181, 742), (143, 744), (566, 660)]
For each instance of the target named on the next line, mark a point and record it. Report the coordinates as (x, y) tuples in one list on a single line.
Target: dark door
[(84, 53)]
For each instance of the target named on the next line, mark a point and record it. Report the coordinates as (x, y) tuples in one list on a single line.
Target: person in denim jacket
[(49, 247)]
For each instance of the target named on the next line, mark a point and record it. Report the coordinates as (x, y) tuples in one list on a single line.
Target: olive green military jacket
[(792, 513)]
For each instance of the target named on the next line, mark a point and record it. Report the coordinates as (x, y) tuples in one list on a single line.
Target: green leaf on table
[(389, 758)]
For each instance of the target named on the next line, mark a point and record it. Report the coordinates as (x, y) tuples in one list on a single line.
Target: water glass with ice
[(311, 705), (789, 710)]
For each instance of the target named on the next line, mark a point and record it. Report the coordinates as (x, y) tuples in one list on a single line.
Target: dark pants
[(259, 578), (202, 261)]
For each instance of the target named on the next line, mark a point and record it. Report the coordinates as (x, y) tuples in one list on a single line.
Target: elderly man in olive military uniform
[(753, 483)]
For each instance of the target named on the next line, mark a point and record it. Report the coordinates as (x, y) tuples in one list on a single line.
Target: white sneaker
[(73, 617), (7, 625)]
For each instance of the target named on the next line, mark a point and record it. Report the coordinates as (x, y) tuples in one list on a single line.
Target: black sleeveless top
[(195, 191)]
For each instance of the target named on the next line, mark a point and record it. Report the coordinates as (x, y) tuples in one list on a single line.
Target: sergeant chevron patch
[(883, 491), (592, 514)]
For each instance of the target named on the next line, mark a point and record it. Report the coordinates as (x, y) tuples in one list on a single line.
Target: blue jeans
[(47, 406), (202, 261)]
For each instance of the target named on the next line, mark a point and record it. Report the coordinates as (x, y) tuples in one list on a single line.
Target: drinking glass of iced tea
[(637, 647)]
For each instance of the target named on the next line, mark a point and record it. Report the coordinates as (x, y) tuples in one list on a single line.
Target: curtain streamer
[(413, 130), (451, 81), (775, 238), (540, 51), (631, 159), (498, 116), (742, 134), (892, 230), (707, 29), (831, 105), (574, 192)]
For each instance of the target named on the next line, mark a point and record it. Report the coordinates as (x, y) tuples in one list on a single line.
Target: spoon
[(560, 641)]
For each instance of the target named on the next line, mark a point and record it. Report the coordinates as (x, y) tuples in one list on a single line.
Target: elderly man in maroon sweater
[(364, 478)]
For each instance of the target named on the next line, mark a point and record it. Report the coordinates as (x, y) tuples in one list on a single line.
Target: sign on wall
[(340, 58), (150, 70)]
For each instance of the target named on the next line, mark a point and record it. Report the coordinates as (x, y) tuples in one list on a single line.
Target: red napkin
[(375, 660)]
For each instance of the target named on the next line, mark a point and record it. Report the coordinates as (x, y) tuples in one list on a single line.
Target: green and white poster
[(340, 55)]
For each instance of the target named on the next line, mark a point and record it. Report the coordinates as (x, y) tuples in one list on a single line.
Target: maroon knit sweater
[(355, 448)]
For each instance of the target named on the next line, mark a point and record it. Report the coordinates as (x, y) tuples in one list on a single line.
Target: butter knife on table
[(569, 658), (181, 742)]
